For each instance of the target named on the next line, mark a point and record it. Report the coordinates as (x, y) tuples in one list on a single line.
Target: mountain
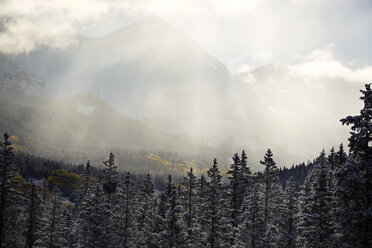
[(150, 86), (148, 70), (17, 81)]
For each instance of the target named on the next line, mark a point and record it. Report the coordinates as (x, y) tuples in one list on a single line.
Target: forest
[(323, 204)]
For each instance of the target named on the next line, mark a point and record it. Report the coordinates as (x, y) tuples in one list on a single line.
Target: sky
[(243, 34)]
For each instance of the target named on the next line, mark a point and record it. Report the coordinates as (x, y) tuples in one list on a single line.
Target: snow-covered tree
[(235, 186), (33, 217), (110, 175), (53, 223), (213, 221), (289, 215), (272, 196), (11, 212), (316, 221), (252, 229), (190, 204), (355, 178), (127, 215), (146, 213), (172, 235)]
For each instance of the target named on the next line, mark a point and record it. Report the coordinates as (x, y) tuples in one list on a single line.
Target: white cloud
[(265, 57), (318, 64), (31, 23), (322, 63)]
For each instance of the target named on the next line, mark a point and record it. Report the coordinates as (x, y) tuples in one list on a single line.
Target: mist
[(148, 84)]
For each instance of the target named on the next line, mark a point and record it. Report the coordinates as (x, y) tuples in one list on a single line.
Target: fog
[(151, 86)]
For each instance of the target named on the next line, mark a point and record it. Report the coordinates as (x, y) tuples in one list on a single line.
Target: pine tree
[(11, 213), (53, 223), (272, 194), (252, 230), (172, 235), (33, 222), (319, 230), (86, 180), (341, 156), (189, 200), (202, 210), (303, 236), (288, 227), (146, 213), (245, 177), (95, 223), (213, 207), (127, 224), (235, 188), (354, 187), (70, 231), (110, 175)]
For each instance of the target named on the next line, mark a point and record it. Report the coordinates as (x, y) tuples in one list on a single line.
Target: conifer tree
[(272, 194), (213, 200), (319, 231), (146, 213), (235, 173), (355, 178), (288, 223), (127, 225), (245, 177), (86, 180), (33, 221), (189, 216), (110, 175), (202, 211), (304, 217), (252, 230), (95, 227), (341, 156), (10, 209), (172, 235), (53, 223)]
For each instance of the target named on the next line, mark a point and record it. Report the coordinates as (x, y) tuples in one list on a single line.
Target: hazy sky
[(241, 33)]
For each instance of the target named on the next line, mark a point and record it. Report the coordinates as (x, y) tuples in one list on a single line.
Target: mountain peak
[(150, 26)]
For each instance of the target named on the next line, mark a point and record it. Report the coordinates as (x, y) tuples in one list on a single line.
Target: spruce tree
[(53, 223), (146, 213), (245, 177), (319, 230), (214, 238), (127, 225), (272, 194), (289, 215), (202, 211), (341, 156), (33, 222), (355, 177), (189, 203), (11, 212), (235, 186), (110, 175), (172, 234), (252, 229), (95, 228)]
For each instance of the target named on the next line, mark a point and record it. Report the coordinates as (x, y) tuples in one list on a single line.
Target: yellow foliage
[(14, 138), (19, 178), (65, 180), (21, 148), (178, 167)]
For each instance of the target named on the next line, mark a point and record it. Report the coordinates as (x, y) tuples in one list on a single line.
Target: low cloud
[(318, 65), (322, 63)]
